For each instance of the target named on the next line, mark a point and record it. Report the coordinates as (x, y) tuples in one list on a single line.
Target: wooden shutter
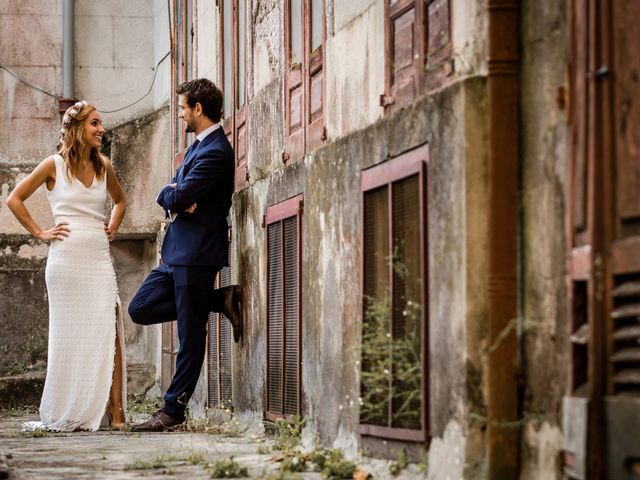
[(625, 314), (294, 85), (240, 92), (439, 63), (314, 59), (283, 223), (418, 49), (233, 48), (304, 76), (405, 53), (394, 381), (605, 231)]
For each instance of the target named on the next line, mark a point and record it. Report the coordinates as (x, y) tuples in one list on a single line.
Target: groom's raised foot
[(233, 310), (159, 422)]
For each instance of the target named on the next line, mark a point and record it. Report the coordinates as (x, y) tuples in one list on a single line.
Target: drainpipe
[(503, 429), (68, 53)]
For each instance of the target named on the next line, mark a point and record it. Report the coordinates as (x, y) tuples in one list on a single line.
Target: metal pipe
[(68, 50), (503, 406)]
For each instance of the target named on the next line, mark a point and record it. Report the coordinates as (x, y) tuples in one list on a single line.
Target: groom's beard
[(189, 127)]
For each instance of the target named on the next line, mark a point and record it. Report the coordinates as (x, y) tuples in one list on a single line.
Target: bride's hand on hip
[(59, 232), (110, 231)]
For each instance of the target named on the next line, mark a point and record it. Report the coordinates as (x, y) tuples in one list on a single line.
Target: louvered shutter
[(283, 308)]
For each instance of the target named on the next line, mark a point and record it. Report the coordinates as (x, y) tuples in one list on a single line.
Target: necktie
[(192, 149)]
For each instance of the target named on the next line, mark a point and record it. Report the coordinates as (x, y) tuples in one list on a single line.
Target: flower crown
[(71, 114)]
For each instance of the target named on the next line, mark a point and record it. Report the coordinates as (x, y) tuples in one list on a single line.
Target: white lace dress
[(83, 310)]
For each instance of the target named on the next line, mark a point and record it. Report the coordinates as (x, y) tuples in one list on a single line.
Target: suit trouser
[(185, 294)]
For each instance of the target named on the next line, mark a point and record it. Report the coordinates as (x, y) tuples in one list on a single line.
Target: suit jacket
[(207, 178)]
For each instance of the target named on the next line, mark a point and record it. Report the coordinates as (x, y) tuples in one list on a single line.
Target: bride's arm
[(119, 202), (23, 190)]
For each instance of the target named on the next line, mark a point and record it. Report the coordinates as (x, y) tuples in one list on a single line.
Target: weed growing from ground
[(332, 464), (161, 461), (287, 433), (140, 404), (400, 464), (227, 468), (295, 462), (279, 475)]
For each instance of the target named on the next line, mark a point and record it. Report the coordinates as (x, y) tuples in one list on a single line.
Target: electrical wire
[(12, 72), (35, 87), (155, 74)]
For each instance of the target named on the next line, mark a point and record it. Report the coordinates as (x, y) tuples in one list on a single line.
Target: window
[(304, 77), (284, 248), (418, 49), (394, 380), (220, 341), (233, 21)]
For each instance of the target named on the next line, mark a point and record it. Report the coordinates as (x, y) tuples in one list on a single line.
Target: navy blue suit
[(195, 248)]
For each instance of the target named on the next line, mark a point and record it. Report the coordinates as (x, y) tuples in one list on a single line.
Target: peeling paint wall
[(544, 183)]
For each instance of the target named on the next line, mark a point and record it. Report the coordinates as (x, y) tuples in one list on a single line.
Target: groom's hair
[(204, 92)]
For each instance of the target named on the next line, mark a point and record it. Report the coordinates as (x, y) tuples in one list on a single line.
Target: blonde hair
[(72, 140)]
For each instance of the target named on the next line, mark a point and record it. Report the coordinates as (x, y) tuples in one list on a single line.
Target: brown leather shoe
[(158, 422), (233, 310)]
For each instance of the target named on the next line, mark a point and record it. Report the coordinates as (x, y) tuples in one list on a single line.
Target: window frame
[(235, 123), (406, 165), (312, 132), (277, 213)]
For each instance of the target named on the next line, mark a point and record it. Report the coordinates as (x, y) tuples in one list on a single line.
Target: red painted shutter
[(283, 308)]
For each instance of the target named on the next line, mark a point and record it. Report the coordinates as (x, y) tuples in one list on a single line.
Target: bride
[(85, 366)]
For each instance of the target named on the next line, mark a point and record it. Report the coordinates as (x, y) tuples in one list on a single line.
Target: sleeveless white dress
[(83, 310)]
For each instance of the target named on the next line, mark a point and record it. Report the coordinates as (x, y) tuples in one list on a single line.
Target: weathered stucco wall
[(330, 181), (544, 184)]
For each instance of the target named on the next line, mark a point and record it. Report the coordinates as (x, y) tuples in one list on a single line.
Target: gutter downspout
[(503, 406), (68, 57)]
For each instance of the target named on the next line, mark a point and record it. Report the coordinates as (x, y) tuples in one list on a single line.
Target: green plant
[(296, 462), (138, 403), (36, 433), (195, 458), (20, 410), (158, 462), (279, 475), (263, 450), (227, 468), (391, 364), (287, 432), (331, 463), (396, 466)]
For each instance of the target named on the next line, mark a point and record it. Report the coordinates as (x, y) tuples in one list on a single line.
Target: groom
[(195, 248)]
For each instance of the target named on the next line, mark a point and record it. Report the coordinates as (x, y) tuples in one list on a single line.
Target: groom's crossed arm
[(208, 172)]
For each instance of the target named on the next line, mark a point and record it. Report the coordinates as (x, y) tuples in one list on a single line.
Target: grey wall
[(543, 193)]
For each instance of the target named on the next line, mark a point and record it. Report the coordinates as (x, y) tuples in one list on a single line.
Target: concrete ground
[(126, 455)]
